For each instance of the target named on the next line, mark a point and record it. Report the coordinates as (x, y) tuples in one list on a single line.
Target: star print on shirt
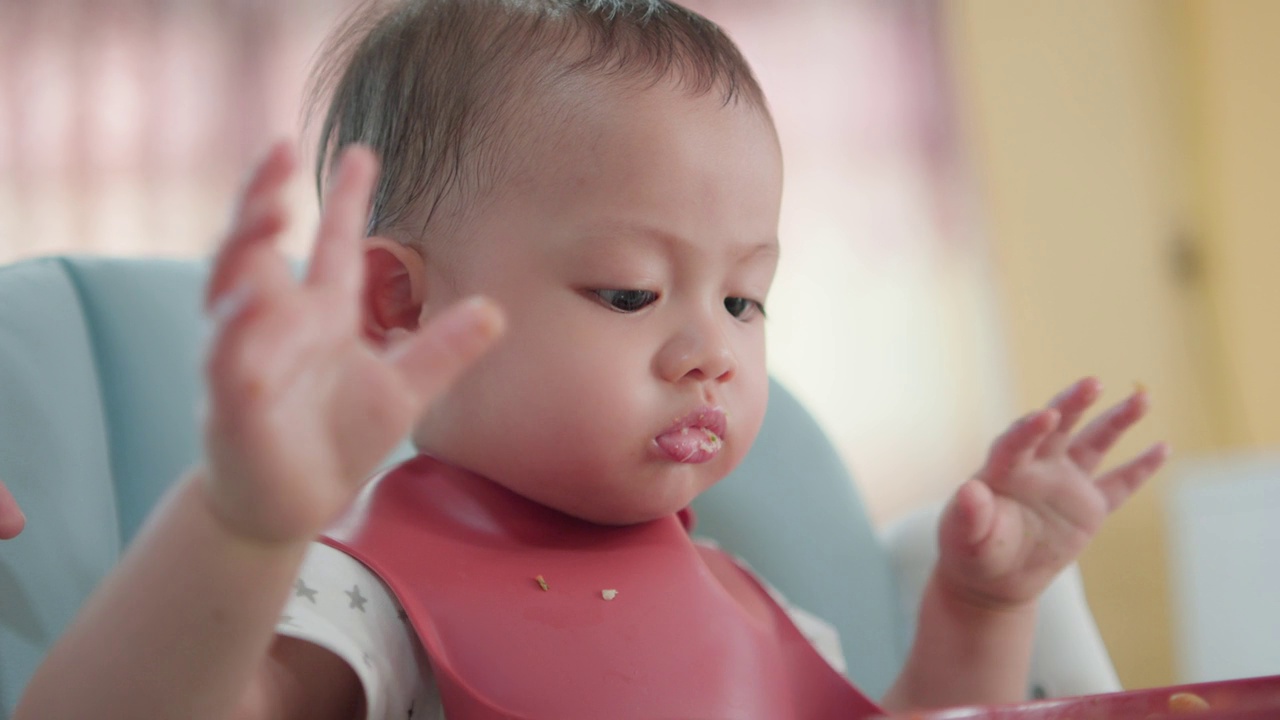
[(357, 600), (300, 589)]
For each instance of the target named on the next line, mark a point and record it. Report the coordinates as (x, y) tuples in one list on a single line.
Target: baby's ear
[(394, 289)]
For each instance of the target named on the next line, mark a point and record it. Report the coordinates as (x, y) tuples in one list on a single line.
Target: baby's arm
[(341, 609), (964, 654), (1006, 534), (179, 629), (300, 409)]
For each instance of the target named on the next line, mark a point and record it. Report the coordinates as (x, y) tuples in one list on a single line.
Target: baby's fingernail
[(488, 316), (475, 318)]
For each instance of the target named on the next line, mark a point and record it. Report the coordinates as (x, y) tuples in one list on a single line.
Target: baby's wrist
[(957, 599), (229, 524)]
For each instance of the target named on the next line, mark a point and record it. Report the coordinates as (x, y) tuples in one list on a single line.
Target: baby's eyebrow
[(645, 234), (767, 250)]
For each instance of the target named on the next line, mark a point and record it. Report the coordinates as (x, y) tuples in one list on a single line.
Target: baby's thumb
[(437, 353), (967, 519)]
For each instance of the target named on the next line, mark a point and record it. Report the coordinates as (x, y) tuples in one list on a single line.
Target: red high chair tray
[(1244, 699)]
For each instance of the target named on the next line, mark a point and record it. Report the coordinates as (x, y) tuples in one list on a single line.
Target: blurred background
[(986, 199)]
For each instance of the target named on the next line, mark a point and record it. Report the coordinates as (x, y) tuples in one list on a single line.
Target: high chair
[(99, 383)]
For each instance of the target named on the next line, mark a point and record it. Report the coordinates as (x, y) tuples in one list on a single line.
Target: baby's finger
[(272, 172), (337, 259), (1092, 443), (440, 351), (1018, 444), (233, 317), (235, 261), (978, 541), (11, 518), (1121, 482), (251, 324), (260, 217), (260, 270), (1071, 405), (968, 518)]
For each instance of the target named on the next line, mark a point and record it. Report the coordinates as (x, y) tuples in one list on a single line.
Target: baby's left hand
[(1036, 503)]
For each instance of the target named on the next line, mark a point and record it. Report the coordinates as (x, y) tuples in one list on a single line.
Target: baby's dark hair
[(436, 87)]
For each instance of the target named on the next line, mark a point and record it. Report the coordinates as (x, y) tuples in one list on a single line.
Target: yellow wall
[(1115, 144), (1235, 75)]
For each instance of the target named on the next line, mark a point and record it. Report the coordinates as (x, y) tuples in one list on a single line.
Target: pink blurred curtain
[(856, 83), (127, 124)]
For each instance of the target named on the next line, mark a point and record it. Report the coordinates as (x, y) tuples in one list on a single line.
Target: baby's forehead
[(564, 127), (622, 166)]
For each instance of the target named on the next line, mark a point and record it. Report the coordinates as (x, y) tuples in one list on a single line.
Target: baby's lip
[(695, 438), (707, 417)]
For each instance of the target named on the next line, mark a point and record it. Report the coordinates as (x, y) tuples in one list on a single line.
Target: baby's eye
[(626, 301), (742, 308)]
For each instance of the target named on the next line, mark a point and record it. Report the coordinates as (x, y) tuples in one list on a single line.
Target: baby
[(598, 182)]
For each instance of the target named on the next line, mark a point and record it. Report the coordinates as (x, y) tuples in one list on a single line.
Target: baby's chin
[(598, 498), (621, 516), (626, 509)]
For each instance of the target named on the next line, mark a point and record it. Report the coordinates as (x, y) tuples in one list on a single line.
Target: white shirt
[(338, 604)]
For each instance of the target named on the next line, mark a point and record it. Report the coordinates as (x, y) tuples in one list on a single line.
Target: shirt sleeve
[(338, 604)]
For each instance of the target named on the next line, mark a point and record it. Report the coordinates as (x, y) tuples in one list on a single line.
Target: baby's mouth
[(696, 438)]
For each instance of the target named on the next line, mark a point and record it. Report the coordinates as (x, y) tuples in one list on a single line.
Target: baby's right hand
[(300, 407)]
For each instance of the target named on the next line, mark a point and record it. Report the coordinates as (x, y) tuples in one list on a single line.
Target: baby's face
[(632, 263)]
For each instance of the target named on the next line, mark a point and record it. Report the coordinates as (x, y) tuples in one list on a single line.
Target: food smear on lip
[(695, 438), (691, 444)]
